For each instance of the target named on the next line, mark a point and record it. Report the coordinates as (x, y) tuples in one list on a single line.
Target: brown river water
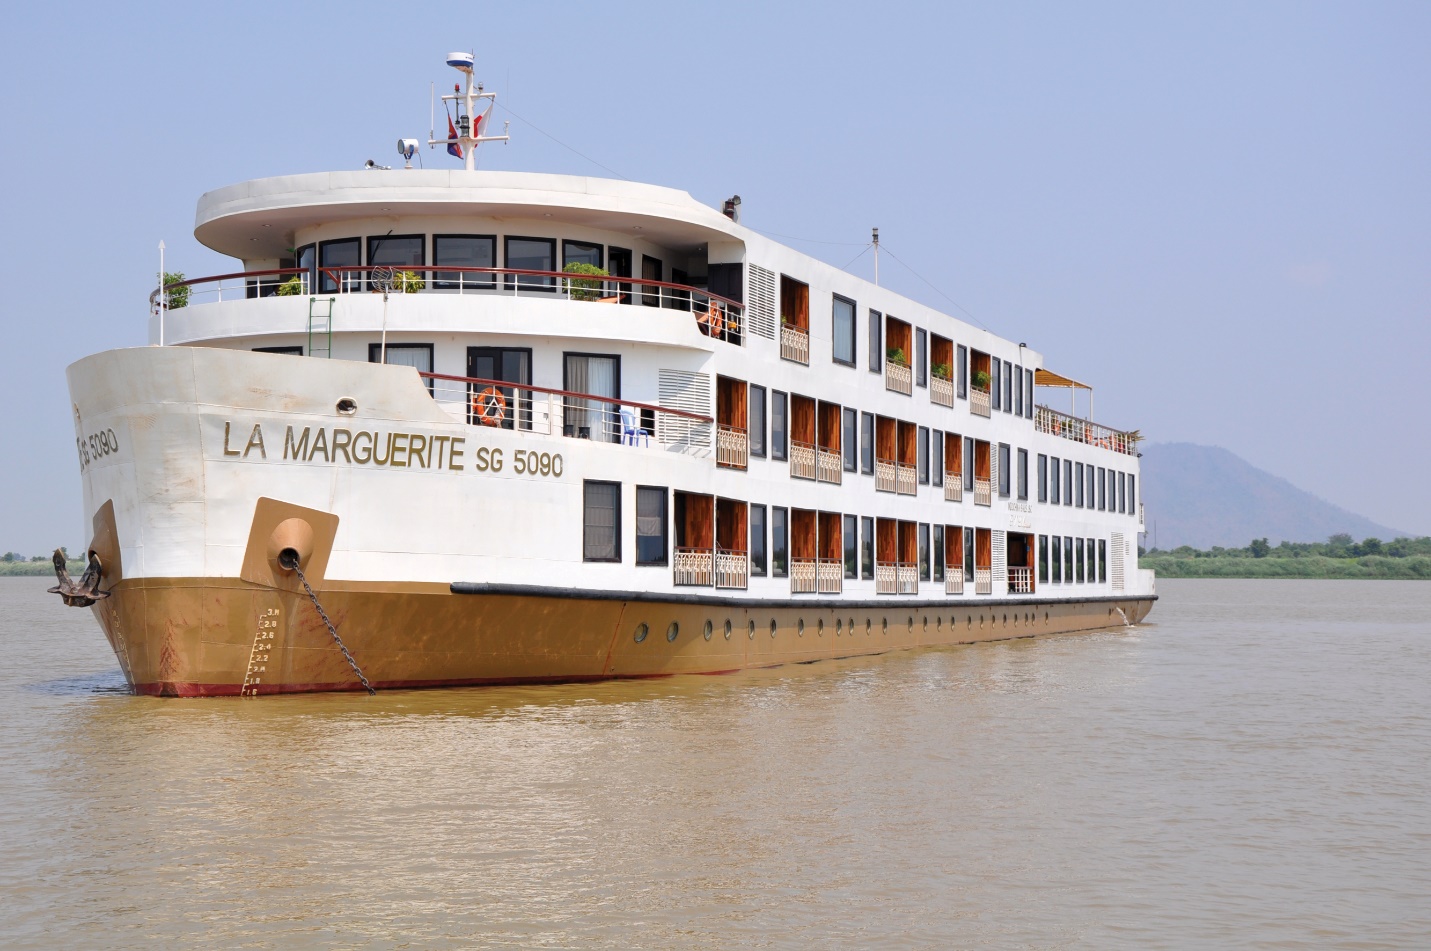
[(1248, 770)]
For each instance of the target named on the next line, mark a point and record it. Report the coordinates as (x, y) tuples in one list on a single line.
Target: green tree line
[(1340, 556)]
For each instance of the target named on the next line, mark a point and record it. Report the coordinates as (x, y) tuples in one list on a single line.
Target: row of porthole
[(673, 630)]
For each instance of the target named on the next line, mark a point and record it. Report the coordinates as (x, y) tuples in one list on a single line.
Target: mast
[(469, 122)]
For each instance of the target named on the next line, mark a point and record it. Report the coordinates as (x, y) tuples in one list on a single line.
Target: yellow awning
[(1044, 377)]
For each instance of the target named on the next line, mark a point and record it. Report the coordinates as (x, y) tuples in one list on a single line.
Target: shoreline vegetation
[(13, 565), (1338, 557)]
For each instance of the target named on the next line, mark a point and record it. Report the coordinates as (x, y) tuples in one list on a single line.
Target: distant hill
[(1204, 496)]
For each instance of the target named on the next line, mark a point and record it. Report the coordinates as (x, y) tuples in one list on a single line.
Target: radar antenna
[(468, 131)]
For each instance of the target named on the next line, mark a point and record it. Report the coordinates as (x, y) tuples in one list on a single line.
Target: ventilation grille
[(760, 314), (1000, 557), (993, 469), (1115, 572), (690, 393)]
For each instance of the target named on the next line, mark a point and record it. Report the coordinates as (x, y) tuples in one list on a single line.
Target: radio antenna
[(469, 121)]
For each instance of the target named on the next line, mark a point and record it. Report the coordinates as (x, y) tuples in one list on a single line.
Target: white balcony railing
[(802, 576), (897, 377), (979, 402), (794, 344), (694, 566), (886, 578), (1020, 580), (885, 475), (732, 569), (802, 460), (983, 581), (941, 391), (905, 481), (908, 579), (983, 492), (828, 466), (954, 579), (732, 447), (953, 486), (829, 575), (1081, 430)]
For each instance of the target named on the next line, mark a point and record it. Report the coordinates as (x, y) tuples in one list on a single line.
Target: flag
[(453, 148)]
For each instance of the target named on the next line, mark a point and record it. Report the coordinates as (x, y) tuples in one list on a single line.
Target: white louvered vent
[(1115, 573), (691, 393), (760, 313), (999, 560), (993, 469)]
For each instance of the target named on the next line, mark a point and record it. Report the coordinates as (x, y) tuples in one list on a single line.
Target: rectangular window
[(1068, 482), (843, 330), (1102, 489), (968, 464), (849, 444), (876, 346), (599, 375), (415, 355), (463, 250), (308, 261), (778, 432), (962, 372), (757, 540), (1008, 387), (1053, 481), (936, 459), (1112, 491), (650, 271), (1068, 558), (921, 459), (867, 548), (601, 522), (779, 565), (1042, 477), (581, 252), (1043, 559), (1102, 561), (968, 554), (994, 387), (1122, 492), (530, 254), (1078, 560), (1024, 474), (345, 252), (867, 443), (397, 251), (1078, 485), (1092, 562), (1018, 391), (852, 548), (1092, 486), (1132, 495), (288, 351), (939, 553), (923, 551), (650, 525), (1004, 468), (1028, 394), (756, 422), (921, 357), (1057, 559)]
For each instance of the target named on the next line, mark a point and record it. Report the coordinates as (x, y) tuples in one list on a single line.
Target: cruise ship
[(443, 427)]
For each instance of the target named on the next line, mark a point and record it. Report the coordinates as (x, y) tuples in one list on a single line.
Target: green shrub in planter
[(175, 297), (940, 371), (408, 282), (981, 380), (293, 287), (896, 355), (584, 288)]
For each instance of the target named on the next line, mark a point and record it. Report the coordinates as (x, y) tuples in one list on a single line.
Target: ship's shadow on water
[(104, 682)]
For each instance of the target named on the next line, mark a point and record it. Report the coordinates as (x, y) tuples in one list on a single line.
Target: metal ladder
[(320, 326)]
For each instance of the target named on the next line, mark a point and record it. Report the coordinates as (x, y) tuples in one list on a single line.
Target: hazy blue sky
[(1219, 214)]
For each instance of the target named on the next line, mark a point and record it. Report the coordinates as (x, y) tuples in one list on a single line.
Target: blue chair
[(630, 432)]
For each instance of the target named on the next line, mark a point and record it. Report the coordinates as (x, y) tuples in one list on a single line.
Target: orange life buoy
[(489, 406)]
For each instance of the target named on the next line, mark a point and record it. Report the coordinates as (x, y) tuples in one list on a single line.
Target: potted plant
[(896, 356), (175, 297), (583, 288), (408, 282), (940, 371), (981, 380), (292, 287)]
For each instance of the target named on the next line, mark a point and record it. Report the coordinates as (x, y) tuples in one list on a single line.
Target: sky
[(1218, 214)]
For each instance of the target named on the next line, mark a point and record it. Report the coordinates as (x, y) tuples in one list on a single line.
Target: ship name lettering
[(255, 438)]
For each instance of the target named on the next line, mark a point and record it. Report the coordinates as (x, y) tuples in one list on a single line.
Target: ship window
[(601, 521), (876, 348), (415, 355), (1043, 479), (1057, 559), (308, 261), (1008, 387), (290, 351), (650, 271), (1132, 495), (598, 375), (1018, 391), (962, 372), (1068, 482), (757, 541), (779, 566), (1091, 479), (923, 553), (1004, 468), (848, 443), (850, 542), (650, 525), (1102, 489), (530, 254), (1078, 497), (1102, 560), (397, 251), (938, 554), (921, 357), (757, 420), (1028, 394), (843, 312), (1068, 559), (867, 548), (581, 252), (968, 464), (1078, 560), (778, 431), (1043, 559), (1024, 474), (1122, 492), (463, 250), (343, 253), (1053, 483), (936, 458), (922, 455), (867, 443), (1092, 562), (994, 387)]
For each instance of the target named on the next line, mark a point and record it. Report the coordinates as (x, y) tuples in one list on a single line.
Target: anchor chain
[(334, 631)]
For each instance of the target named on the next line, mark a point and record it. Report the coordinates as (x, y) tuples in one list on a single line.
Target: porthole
[(1006, 620), (772, 627), (347, 406), (926, 623), (672, 631), (971, 620), (910, 624), (751, 633), (884, 625), (800, 627), (838, 626), (1045, 617), (869, 627), (706, 633), (852, 627), (938, 623), (727, 628), (820, 627), (641, 631)]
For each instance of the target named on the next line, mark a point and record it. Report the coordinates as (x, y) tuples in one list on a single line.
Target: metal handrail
[(568, 394)]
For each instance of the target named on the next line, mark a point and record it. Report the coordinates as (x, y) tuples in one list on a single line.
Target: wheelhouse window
[(599, 375), (581, 252), (345, 252), (843, 330), (757, 420), (876, 346), (601, 520), (530, 254), (757, 540), (650, 525), (397, 251), (415, 355), (779, 430), (779, 552), (463, 250)]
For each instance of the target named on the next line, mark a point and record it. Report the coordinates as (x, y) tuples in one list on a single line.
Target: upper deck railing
[(1081, 430), (715, 316)]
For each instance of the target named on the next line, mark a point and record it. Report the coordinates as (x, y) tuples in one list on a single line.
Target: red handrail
[(479, 381)]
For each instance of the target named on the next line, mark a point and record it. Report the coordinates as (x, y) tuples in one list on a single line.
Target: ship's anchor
[(289, 560), (82, 593)]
